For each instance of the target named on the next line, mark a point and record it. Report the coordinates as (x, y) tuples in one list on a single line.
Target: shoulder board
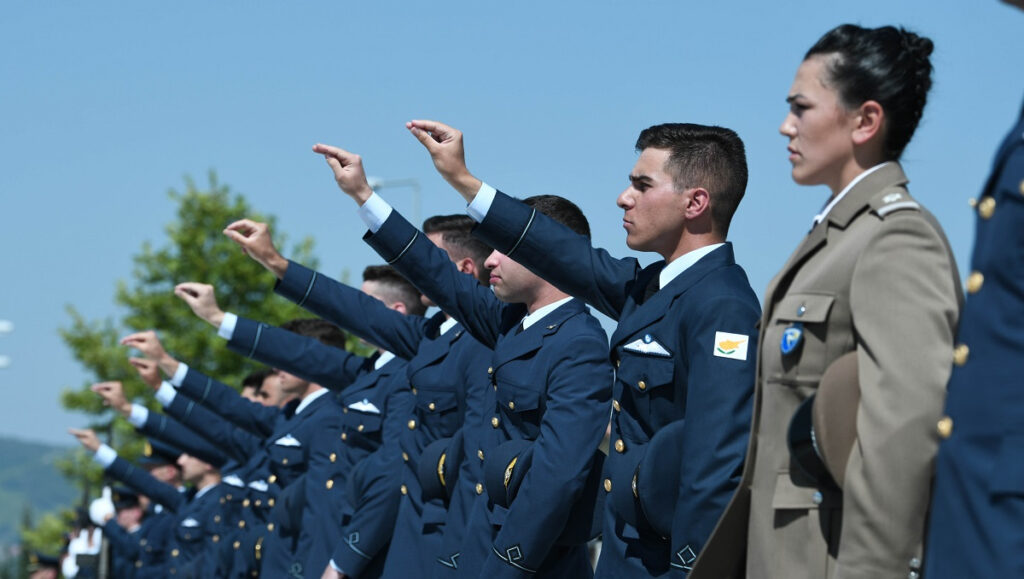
[(892, 200)]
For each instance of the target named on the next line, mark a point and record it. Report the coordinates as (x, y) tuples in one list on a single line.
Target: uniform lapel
[(654, 309), (512, 346)]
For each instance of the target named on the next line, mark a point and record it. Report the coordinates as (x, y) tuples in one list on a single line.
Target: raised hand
[(254, 239), (87, 437), (113, 396), (202, 299), (446, 149), (148, 371), (348, 171), (150, 346)]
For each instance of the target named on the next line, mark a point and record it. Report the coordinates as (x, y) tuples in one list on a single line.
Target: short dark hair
[(561, 210), (320, 330), (456, 231), (888, 65), (255, 379), (395, 287), (703, 156)]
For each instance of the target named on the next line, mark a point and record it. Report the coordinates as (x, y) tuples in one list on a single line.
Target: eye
[(797, 108)]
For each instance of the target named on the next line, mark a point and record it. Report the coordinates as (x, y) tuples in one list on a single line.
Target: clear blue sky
[(105, 107)]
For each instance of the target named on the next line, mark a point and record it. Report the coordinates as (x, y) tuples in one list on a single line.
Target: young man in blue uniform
[(445, 366), (684, 347), (976, 527), (550, 382), (197, 530)]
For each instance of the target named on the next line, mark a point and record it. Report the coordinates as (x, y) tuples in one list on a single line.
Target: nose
[(625, 200), (492, 260), (788, 127)]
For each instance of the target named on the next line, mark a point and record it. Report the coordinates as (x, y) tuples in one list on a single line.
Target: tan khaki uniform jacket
[(876, 276)]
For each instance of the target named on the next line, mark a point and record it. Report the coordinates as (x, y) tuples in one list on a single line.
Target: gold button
[(490, 370), (511, 405), (641, 385), (245, 503), (414, 391), (138, 564), (284, 461), (216, 538), (236, 544), (272, 479), (945, 427), (222, 501), (258, 502), (405, 456), (270, 527), (431, 406), (241, 524), (986, 207), (412, 425), (495, 422), (960, 354), (404, 489), (216, 519), (270, 503), (228, 497), (1022, 186), (620, 446), (344, 436), (143, 542), (607, 485), (480, 454), (344, 410), (334, 457), (974, 282), (330, 484), (360, 428), (479, 489), (616, 406), (175, 553), (618, 363)]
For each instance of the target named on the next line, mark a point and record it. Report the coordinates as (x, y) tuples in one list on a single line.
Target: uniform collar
[(384, 358), (683, 262), (835, 200), (536, 316), (309, 399)]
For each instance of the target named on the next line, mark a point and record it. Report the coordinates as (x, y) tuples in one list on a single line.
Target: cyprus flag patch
[(732, 346)]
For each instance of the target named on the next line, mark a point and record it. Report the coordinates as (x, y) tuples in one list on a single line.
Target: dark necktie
[(652, 287), (519, 329)]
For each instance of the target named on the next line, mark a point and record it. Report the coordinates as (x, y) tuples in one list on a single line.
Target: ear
[(698, 202), (466, 265), (869, 119), (399, 307)]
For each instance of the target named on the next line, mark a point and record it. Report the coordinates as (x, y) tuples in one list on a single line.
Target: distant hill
[(28, 476)]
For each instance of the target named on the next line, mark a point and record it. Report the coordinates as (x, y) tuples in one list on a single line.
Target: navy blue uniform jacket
[(664, 350), (445, 372), (550, 385), (976, 527)]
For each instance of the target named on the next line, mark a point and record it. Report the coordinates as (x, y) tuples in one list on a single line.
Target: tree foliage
[(195, 250)]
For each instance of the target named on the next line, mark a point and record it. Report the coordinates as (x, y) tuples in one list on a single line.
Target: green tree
[(195, 250)]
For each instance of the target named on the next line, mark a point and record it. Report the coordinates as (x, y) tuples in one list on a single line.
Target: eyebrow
[(640, 179), (793, 97)]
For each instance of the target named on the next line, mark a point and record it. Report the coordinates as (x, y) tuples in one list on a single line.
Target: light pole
[(377, 183), (6, 327)]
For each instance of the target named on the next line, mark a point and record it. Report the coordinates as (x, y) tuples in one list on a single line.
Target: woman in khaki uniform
[(874, 276)]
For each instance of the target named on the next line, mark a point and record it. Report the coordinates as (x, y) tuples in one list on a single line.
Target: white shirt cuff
[(104, 456), (374, 212), (138, 416), (335, 567), (227, 326), (481, 203), (165, 395), (179, 374)]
